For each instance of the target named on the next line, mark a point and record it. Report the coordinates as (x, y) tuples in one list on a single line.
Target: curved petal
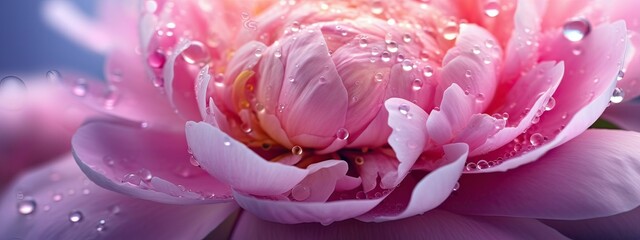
[(472, 65), (530, 92), (235, 164), (624, 115), (521, 52), (408, 137), (46, 121), (620, 226), (579, 102), (302, 212), (428, 193), (453, 116), (56, 193), (179, 81), (144, 163), (596, 174), (436, 224)]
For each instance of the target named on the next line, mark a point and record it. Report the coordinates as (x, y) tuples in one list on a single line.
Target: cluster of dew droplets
[(575, 30)]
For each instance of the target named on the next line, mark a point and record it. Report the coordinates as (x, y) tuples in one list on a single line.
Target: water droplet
[(56, 197), (450, 32), (482, 164), (13, 93), (377, 8), (281, 108), (258, 52), (492, 9), (404, 109), (359, 160), (576, 50), (300, 193), (471, 166), (101, 225), (576, 29), (617, 96), (489, 43), (480, 97), (197, 53), (392, 46), (536, 139), (476, 50), (363, 42), (54, 76), (132, 178), (620, 75), (467, 73), (296, 150), (375, 51), (406, 38), (80, 88), (551, 103), (75, 216), (156, 60), (407, 65), (427, 71), (26, 206), (385, 56), (342, 134), (227, 141), (111, 97), (145, 174), (295, 26), (277, 54), (456, 187), (378, 77), (416, 84)]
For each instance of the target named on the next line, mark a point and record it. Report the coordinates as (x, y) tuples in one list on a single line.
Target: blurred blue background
[(28, 45)]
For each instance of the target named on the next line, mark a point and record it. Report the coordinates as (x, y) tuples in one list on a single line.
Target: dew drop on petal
[(227, 141), (551, 103), (456, 187), (101, 225), (406, 38), (416, 84), (620, 75), (300, 193), (75, 216), (385, 56), (536, 139), (404, 109), (475, 50), (145, 174), (81, 88), (359, 160), (392, 46), (53, 76), (295, 26), (378, 77), (197, 53), (56, 197), (26, 206), (492, 8), (576, 29), (427, 71), (617, 96), (407, 65), (156, 60), (450, 32), (296, 150), (132, 178), (376, 7), (342, 134), (13, 93)]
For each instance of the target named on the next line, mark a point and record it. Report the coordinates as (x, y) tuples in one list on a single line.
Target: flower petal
[(300, 212), (428, 193), (596, 174), (620, 226), (408, 138), (60, 191), (453, 116), (235, 164), (144, 163), (579, 102), (436, 224)]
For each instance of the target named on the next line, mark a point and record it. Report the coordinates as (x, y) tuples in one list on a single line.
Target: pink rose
[(455, 118)]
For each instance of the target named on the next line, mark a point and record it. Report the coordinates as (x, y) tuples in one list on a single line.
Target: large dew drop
[(13, 93), (576, 29)]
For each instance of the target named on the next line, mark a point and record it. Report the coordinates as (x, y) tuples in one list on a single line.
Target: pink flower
[(455, 118)]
